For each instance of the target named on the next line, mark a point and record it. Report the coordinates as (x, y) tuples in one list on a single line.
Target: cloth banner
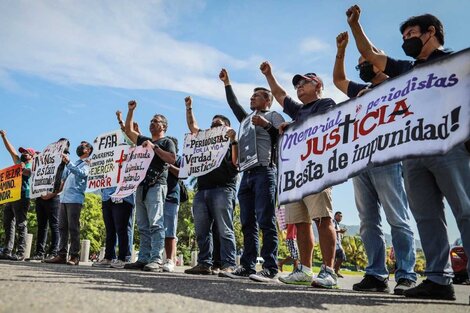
[(423, 112), (106, 163), (204, 152), (45, 167), (10, 183), (247, 152), (135, 169)]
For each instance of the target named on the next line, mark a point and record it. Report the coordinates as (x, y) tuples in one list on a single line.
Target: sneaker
[(168, 266), (265, 276), (118, 264), (58, 259), (199, 269), (297, 277), (237, 273), (371, 283), (339, 275), (17, 257), (154, 266), (74, 260), (35, 258), (215, 270), (326, 278), (223, 271), (431, 290), (102, 263), (135, 266), (402, 285)]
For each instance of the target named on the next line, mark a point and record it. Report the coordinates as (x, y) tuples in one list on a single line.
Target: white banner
[(45, 166), (204, 152), (423, 112), (107, 161), (137, 163)]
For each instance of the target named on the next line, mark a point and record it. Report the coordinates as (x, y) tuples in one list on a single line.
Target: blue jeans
[(257, 196), (149, 213), (170, 221), (384, 185), (428, 180), (215, 206)]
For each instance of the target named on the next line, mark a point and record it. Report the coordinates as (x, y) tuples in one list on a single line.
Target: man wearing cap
[(317, 207), (257, 193), (17, 211)]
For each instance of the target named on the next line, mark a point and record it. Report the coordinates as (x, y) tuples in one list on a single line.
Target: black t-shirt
[(158, 164), (173, 194), (223, 176), (299, 112), (394, 67), (354, 88)]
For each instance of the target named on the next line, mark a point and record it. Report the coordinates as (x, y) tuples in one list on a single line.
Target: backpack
[(184, 196)]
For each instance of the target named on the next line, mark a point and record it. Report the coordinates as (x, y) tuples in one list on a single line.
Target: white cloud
[(109, 43), (312, 44)]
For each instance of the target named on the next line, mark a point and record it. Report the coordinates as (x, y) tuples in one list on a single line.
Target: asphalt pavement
[(38, 287)]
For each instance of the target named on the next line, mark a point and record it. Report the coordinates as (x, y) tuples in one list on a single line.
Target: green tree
[(92, 223), (355, 251)]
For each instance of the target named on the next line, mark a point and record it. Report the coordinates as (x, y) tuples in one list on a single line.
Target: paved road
[(36, 287)]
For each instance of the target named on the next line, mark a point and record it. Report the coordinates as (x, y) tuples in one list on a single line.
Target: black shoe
[(5, 256), (264, 276), (199, 269), (135, 266), (402, 285), (431, 290), (372, 284), (239, 272)]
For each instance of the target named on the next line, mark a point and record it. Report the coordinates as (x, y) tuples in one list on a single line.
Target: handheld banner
[(421, 113), (45, 167), (10, 183), (204, 152)]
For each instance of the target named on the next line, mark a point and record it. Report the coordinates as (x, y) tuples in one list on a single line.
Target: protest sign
[(106, 163), (45, 167), (247, 152), (204, 151), (423, 112), (135, 168), (10, 184)]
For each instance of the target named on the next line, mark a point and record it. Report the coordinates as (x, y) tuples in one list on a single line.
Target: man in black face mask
[(213, 205), (74, 180), (427, 179), (15, 212), (382, 185)]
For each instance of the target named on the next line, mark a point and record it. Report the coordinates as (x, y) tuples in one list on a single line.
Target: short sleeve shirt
[(157, 163), (300, 112)]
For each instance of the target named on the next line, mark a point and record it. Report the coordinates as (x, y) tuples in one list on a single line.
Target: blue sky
[(66, 67)]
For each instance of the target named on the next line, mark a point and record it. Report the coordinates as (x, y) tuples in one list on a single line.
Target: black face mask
[(412, 46), (366, 72), (23, 158), (80, 150)]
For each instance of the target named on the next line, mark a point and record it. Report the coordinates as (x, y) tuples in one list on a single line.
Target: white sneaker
[(297, 277), (102, 263), (168, 266), (326, 278), (118, 264)]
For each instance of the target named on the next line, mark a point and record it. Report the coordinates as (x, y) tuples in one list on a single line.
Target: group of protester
[(427, 180)]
